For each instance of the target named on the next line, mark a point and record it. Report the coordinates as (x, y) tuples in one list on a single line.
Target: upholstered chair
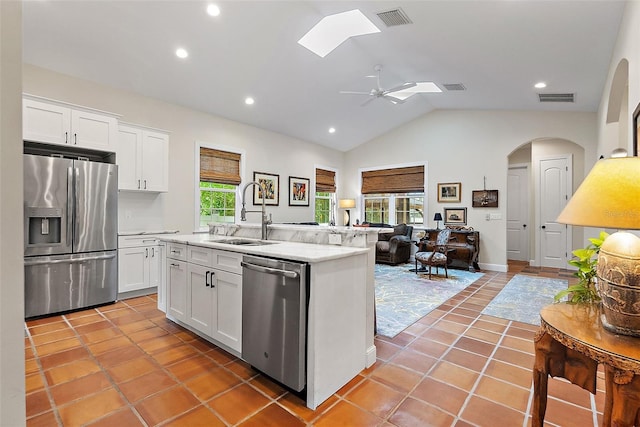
[(438, 257), (395, 247)]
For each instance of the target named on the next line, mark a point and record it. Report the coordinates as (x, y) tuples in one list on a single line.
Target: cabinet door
[(128, 153), (133, 269), (177, 289), (155, 161), (200, 296), (42, 122), (227, 312), (162, 281), (155, 265), (91, 130)]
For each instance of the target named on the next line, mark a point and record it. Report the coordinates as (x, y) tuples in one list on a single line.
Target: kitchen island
[(339, 338)]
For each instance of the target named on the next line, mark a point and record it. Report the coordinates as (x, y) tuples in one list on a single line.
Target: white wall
[(266, 151), (465, 146), (12, 380)]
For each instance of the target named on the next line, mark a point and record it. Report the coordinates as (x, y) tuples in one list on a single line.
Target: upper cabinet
[(142, 156), (55, 122)]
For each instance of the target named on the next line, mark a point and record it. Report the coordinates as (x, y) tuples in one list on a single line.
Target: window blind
[(396, 180), (219, 166), (325, 181)]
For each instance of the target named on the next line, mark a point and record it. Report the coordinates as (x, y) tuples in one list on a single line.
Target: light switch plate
[(335, 239)]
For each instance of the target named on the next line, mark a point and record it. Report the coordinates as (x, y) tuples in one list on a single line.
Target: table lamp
[(347, 204), (437, 218), (609, 197)]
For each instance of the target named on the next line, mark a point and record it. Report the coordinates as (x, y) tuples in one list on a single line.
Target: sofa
[(464, 246), (393, 247)]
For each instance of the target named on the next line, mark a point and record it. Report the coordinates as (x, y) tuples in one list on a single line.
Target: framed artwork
[(298, 191), (455, 216), (484, 198), (271, 185), (635, 125), (449, 192)]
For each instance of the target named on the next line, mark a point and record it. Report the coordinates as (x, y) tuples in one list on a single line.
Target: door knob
[(544, 226), (524, 225)]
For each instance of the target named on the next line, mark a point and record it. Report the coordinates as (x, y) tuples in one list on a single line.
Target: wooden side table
[(571, 343)]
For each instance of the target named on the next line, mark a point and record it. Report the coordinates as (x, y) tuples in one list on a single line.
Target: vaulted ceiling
[(496, 49)]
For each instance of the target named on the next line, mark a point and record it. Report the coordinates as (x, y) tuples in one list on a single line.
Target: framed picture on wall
[(449, 192), (271, 185), (298, 191), (484, 198), (455, 216)]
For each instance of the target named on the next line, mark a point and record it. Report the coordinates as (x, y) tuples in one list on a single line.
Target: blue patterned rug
[(522, 298), (403, 297)]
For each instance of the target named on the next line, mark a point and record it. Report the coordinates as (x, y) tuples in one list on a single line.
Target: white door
[(555, 189), (518, 213)]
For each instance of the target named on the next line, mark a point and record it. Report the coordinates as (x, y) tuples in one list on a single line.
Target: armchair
[(437, 257), (394, 247)]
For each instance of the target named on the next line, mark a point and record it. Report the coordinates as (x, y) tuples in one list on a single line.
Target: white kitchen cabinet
[(140, 263), (176, 278), (142, 156), (55, 122)]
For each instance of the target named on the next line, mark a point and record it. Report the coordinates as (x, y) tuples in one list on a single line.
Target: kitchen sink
[(242, 242)]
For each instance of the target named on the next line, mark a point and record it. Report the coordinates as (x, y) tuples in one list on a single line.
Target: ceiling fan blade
[(402, 87), (368, 101)]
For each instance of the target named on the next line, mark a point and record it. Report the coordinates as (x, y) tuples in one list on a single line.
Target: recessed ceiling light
[(181, 53), (333, 30), (249, 100), (540, 85), (420, 87), (332, 130), (213, 10)]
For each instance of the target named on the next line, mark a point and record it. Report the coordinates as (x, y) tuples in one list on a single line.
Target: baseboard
[(501, 268), (371, 356)]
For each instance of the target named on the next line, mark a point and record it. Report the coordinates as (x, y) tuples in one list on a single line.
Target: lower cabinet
[(140, 264), (205, 293), (214, 304)]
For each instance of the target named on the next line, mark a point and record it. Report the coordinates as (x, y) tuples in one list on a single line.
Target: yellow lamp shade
[(347, 203), (608, 197)]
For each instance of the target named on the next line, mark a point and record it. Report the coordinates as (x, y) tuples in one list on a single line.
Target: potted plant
[(585, 261)]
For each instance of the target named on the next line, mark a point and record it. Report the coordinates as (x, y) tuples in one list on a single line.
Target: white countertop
[(140, 233), (307, 252)]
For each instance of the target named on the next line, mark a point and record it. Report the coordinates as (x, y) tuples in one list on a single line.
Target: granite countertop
[(141, 233), (306, 252)]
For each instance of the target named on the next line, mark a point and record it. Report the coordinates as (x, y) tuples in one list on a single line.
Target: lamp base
[(619, 283)]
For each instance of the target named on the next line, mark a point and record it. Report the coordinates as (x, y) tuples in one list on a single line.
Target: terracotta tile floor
[(125, 365)]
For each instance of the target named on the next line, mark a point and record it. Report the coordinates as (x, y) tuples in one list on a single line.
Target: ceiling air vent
[(556, 97), (394, 17), (454, 86)]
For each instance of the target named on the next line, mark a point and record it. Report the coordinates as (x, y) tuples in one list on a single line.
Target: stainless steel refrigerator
[(70, 235)]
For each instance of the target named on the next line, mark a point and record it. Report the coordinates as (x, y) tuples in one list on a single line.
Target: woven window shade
[(325, 181), (219, 166), (398, 180)]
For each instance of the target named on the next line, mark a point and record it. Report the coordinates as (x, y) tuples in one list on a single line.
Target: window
[(217, 203), (325, 200), (219, 177), (394, 195)]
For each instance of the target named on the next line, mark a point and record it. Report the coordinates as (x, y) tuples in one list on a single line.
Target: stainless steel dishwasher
[(274, 318)]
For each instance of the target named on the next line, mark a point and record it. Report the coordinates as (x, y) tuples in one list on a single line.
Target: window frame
[(197, 207)]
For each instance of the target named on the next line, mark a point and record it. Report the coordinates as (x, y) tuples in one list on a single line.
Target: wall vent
[(556, 97), (394, 17), (454, 86)]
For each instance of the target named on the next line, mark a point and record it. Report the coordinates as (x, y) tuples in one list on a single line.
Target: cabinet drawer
[(213, 258), (199, 255), (177, 251), (133, 241)]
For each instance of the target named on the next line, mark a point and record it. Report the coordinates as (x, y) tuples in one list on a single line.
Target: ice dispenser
[(45, 226)]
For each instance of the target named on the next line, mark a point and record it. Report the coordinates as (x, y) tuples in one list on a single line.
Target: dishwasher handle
[(286, 273)]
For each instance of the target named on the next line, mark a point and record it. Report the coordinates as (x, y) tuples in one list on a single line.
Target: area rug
[(403, 297), (522, 298)]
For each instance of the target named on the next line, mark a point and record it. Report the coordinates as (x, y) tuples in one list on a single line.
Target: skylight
[(333, 30), (420, 87)]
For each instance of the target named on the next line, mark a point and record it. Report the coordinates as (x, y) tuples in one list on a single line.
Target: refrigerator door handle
[(70, 205), (68, 261), (76, 234)]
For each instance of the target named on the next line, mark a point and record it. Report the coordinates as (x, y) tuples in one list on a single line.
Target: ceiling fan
[(379, 92)]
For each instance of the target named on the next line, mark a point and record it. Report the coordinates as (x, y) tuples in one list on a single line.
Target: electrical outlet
[(335, 239)]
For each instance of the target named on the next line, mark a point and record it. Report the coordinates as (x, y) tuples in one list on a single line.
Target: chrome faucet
[(243, 212)]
